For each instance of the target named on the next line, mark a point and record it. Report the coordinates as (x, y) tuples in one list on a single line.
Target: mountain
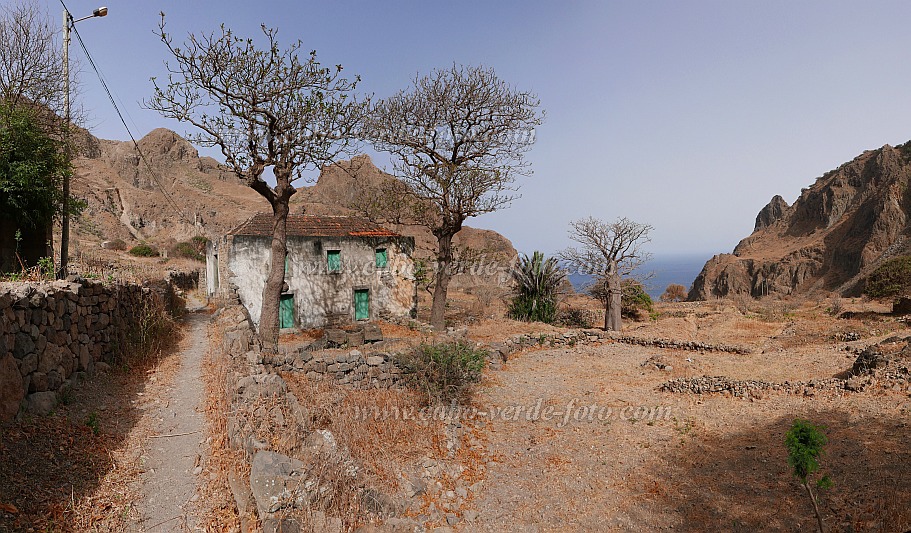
[(180, 194), (830, 239)]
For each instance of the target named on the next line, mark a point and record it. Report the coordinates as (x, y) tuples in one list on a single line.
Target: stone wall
[(52, 334)]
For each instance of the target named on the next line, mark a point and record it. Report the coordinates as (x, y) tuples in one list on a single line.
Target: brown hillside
[(125, 200), (836, 232)]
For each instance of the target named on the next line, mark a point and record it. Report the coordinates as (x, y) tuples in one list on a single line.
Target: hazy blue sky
[(687, 115)]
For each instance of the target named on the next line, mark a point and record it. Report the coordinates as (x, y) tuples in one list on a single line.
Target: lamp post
[(68, 23)]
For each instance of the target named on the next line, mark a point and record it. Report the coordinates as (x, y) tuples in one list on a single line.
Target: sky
[(688, 116)]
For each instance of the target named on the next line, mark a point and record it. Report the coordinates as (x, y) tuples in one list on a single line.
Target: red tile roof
[(260, 224)]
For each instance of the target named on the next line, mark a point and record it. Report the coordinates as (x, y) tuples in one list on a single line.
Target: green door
[(286, 311), (361, 304)]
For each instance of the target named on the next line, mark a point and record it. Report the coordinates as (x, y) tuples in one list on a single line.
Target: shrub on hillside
[(119, 245), (674, 293), (574, 317), (144, 250), (891, 278), (186, 250), (444, 373), (634, 299)]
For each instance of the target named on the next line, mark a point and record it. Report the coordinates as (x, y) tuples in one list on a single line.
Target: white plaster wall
[(321, 297)]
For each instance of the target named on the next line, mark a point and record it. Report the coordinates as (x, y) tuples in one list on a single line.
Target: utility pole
[(68, 23)]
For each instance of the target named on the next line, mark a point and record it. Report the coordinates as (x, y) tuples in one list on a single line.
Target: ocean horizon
[(680, 269)]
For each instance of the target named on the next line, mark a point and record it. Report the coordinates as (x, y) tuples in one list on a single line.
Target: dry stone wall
[(53, 335)]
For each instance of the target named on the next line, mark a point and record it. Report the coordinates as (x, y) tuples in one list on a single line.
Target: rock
[(470, 515), (375, 360), (276, 481), (355, 338), (24, 345), (11, 388), (902, 306), (372, 333), (41, 403), (336, 338), (281, 525)]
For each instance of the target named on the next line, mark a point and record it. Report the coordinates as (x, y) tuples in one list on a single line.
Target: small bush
[(635, 299), (119, 245), (187, 250), (891, 278), (674, 293), (444, 373), (574, 317), (144, 250)]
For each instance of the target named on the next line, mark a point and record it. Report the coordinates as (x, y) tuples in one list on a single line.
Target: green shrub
[(537, 283), (805, 443), (891, 278), (144, 250), (445, 373), (634, 299), (188, 250)]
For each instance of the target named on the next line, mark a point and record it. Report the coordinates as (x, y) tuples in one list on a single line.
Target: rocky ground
[(677, 424)]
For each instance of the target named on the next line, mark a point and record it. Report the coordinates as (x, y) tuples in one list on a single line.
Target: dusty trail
[(174, 452)]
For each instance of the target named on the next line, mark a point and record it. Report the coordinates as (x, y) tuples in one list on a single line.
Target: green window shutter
[(381, 258), (334, 260), (361, 304)]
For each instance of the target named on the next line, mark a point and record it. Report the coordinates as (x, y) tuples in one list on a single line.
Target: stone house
[(338, 270)]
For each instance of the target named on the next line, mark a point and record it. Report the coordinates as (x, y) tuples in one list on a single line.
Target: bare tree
[(459, 136), (31, 64), (609, 250), (263, 107)]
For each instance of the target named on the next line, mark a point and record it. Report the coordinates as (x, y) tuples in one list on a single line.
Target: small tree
[(458, 138), (674, 293), (609, 250), (32, 165), (805, 443), (538, 283), (264, 108)]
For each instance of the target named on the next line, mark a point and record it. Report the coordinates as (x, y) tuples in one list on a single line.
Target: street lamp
[(68, 23)]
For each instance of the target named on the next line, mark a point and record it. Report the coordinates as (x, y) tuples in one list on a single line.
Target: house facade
[(338, 270)]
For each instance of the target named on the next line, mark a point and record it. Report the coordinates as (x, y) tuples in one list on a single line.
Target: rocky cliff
[(834, 234)]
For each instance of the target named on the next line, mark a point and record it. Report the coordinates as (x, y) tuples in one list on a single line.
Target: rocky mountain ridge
[(179, 195), (838, 230)]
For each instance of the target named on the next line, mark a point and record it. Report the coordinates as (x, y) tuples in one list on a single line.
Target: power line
[(142, 156)]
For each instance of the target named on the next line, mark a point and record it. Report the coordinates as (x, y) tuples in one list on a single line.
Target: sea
[(664, 270)]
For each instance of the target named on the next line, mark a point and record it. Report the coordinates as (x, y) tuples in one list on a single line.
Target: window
[(334, 260), (381, 258)]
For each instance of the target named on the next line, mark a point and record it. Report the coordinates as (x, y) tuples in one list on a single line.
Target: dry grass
[(381, 441), (217, 509), (60, 476)]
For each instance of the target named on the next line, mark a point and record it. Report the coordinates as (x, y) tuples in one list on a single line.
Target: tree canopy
[(32, 165)]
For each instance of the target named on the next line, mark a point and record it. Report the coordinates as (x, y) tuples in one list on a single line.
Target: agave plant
[(538, 282)]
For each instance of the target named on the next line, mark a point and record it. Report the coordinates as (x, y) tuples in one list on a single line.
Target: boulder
[(278, 482), (372, 333), (41, 403), (336, 338), (11, 389), (902, 306)]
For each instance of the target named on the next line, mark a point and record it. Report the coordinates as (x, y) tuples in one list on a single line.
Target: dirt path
[(174, 452)]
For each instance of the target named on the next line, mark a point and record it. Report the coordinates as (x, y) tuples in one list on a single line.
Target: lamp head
[(100, 12)]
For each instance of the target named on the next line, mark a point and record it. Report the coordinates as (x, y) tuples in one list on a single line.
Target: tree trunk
[(443, 275), (806, 485), (613, 301), (268, 318)]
